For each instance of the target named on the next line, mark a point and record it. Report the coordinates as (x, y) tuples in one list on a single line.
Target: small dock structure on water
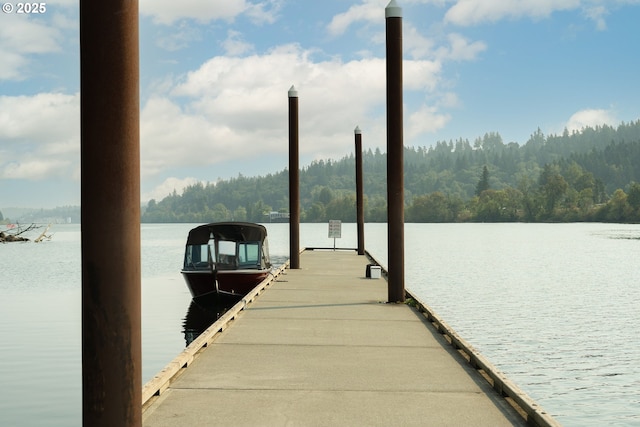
[(320, 346)]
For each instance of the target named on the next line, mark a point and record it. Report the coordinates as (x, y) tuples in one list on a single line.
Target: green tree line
[(591, 175)]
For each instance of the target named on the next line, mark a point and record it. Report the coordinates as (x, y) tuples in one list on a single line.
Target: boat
[(226, 259)]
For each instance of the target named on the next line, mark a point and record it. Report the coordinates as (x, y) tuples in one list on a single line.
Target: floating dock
[(320, 346)]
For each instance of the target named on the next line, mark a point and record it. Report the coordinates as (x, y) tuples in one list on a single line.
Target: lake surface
[(554, 306)]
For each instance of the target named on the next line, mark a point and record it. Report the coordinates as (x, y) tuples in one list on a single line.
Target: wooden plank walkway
[(320, 347)]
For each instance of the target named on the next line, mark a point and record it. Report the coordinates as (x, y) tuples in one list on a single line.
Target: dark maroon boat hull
[(232, 282)]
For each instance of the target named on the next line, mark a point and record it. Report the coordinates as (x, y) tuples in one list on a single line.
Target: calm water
[(554, 306)]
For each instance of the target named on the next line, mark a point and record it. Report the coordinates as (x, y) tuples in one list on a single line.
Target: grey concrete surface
[(320, 347)]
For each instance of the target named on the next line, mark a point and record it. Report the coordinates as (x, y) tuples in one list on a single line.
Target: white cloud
[(229, 108), (49, 148), (234, 45), (12, 64), (460, 49), (449, 100), (421, 75), (232, 108), (28, 35), (426, 120), (415, 44), (368, 11), (590, 118), (169, 137), (597, 14), (42, 117), (471, 12), (21, 37), (67, 21), (38, 169), (168, 12), (265, 11), (167, 187), (64, 3), (181, 36)]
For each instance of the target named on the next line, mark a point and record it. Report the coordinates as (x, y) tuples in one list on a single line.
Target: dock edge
[(162, 380), (528, 408)]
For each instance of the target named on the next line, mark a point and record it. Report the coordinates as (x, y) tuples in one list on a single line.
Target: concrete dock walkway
[(320, 347)]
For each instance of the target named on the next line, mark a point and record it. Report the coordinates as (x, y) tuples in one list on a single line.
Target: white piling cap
[(357, 130), (293, 93), (393, 10)]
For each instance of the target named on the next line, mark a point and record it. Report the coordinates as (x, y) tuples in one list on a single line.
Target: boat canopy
[(233, 231)]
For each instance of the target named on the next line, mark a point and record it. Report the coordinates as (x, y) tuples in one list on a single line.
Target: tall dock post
[(110, 213), (359, 190), (395, 146), (294, 182)]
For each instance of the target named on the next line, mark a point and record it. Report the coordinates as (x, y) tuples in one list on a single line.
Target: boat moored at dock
[(226, 258)]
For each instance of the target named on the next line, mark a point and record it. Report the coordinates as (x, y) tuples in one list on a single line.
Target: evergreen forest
[(590, 175)]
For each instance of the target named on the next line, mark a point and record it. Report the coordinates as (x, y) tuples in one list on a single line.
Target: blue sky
[(214, 77)]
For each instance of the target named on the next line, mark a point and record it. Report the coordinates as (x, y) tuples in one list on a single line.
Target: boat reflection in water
[(203, 312)]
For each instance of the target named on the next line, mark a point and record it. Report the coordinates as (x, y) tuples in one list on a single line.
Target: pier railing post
[(294, 181), (395, 146), (359, 190), (110, 213)]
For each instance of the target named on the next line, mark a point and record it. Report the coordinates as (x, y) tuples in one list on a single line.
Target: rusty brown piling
[(395, 146), (359, 190), (294, 181), (110, 213)]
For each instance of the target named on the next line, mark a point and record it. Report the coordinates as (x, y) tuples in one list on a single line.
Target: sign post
[(335, 230)]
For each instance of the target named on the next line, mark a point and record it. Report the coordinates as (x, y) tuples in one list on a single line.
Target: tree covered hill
[(569, 177)]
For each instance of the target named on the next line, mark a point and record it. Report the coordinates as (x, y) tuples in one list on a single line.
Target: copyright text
[(24, 8)]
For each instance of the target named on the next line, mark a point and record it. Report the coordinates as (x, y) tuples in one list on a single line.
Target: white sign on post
[(335, 230)]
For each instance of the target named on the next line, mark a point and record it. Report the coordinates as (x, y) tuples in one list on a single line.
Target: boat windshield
[(226, 255), (233, 255), (249, 254), (196, 257)]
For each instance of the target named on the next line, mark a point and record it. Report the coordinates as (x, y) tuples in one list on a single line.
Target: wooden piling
[(359, 190), (395, 146), (294, 181), (110, 213)]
